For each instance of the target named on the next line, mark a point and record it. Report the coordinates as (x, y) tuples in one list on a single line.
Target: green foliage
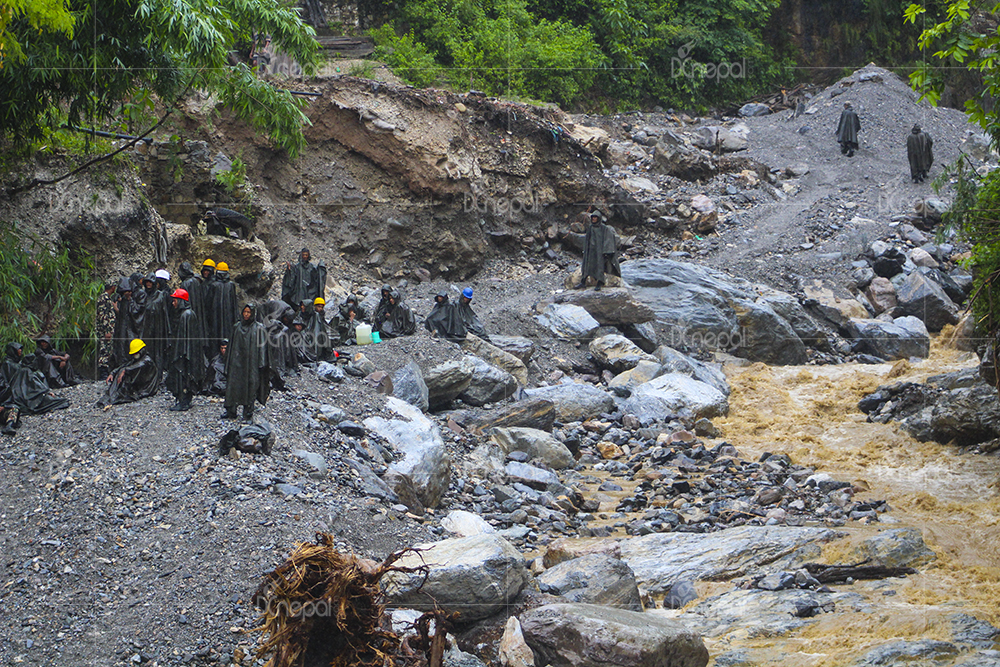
[(123, 53), (234, 179), (603, 54), (45, 292), (958, 42), (50, 15), (363, 69), (406, 57)]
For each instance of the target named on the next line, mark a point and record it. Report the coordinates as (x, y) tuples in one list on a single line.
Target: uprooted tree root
[(329, 605)]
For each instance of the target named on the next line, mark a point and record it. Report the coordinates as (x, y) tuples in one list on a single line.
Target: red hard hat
[(180, 294)]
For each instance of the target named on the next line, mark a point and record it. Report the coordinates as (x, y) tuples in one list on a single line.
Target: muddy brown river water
[(810, 413)]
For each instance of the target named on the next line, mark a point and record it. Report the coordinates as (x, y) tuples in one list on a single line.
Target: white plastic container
[(364, 334)]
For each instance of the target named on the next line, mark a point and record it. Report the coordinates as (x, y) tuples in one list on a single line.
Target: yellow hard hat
[(208, 262), (222, 267), (135, 346), (319, 300)]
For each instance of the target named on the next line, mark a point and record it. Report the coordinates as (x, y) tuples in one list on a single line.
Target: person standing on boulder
[(187, 363), (600, 252), (920, 153), (847, 130), (247, 379)]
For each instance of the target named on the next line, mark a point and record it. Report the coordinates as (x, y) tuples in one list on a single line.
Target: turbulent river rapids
[(811, 414)]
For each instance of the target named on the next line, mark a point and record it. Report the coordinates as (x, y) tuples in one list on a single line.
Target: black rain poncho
[(225, 309), (847, 129), (297, 340), (139, 378), (444, 319), (381, 308), (25, 387), (201, 304), (215, 376), (275, 316), (247, 365), (469, 319), (45, 362), (399, 319), (303, 281), (343, 325), (318, 339), (128, 322), (156, 324), (919, 153), (187, 360), (600, 253)]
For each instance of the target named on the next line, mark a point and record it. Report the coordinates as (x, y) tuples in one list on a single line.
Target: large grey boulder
[(923, 298), (585, 635), (896, 547), (519, 346), (673, 394), (661, 559), (424, 457), (568, 321), (617, 353), (530, 475), (625, 382), (593, 579), (610, 306), (408, 384), (446, 381), (530, 413), (765, 336), (489, 384), (682, 161), (714, 138), (788, 308), (536, 444), (575, 401), (494, 356), (902, 338), (476, 576), (678, 362)]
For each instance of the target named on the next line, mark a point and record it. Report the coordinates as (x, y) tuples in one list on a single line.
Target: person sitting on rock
[(24, 387), (919, 153), (345, 322), (399, 320), (138, 378), (468, 316), (443, 320), (215, 379), (53, 364), (382, 308), (847, 130)]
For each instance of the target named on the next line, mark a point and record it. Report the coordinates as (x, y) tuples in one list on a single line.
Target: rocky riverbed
[(716, 462)]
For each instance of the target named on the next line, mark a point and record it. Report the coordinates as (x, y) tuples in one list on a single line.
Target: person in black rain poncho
[(919, 153), (345, 321), (303, 281), (201, 304), (276, 317), (381, 308), (600, 253), (246, 366), (24, 387), (225, 309), (468, 316), (444, 321), (215, 378), (139, 378), (128, 322), (53, 364), (187, 359), (321, 344), (156, 321), (398, 319), (847, 130)]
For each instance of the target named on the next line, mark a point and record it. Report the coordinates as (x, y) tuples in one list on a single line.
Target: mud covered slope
[(408, 178)]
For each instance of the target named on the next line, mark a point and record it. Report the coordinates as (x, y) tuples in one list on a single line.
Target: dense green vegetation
[(621, 53), (45, 292), (969, 39), (117, 58)]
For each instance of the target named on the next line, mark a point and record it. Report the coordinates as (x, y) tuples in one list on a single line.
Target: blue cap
[(467, 292)]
